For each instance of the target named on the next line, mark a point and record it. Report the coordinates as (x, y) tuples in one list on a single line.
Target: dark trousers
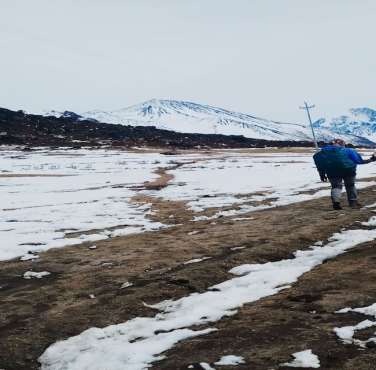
[(337, 183)]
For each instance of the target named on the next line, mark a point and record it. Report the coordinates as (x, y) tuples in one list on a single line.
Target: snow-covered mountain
[(65, 114), (359, 122), (188, 117), (182, 116)]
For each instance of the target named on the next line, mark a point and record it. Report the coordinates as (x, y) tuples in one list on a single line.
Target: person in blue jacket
[(338, 164)]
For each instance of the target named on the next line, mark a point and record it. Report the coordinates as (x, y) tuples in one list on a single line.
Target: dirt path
[(36, 313)]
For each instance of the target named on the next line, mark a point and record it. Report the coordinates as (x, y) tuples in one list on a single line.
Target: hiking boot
[(337, 206), (355, 204)]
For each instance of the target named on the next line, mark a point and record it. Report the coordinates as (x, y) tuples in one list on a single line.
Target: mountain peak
[(359, 122), (364, 113), (189, 117)]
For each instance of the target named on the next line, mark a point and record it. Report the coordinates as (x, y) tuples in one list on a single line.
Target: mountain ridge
[(358, 121), (31, 130), (190, 117)]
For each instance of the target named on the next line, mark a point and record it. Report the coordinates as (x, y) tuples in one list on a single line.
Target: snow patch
[(304, 359), (36, 275), (346, 333), (194, 232), (371, 222), (196, 260), (230, 360), (206, 366), (29, 256), (127, 284)]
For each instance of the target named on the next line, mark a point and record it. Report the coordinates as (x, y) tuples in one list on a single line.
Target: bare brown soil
[(36, 313), (161, 181)]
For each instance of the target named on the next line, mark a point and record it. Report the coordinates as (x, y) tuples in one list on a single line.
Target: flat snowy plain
[(55, 198), (47, 195), (65, 197)]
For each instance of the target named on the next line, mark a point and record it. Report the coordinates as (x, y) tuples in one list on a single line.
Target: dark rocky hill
[(17, 127)]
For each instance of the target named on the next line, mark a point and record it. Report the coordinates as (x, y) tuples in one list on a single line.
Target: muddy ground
[(36, 313)]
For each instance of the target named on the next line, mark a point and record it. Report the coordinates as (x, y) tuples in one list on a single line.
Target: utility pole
[(215, 128), (307, 108)]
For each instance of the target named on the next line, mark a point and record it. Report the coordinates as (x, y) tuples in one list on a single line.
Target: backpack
[(334, 162)]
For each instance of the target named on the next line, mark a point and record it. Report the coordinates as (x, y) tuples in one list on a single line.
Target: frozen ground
[(83, 307), (54, 198), (243, 180), (46, 195), (136, 344)]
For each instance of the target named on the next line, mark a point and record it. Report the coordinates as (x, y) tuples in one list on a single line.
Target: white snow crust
[(71, 191), (239, 181), (304, 359), (230, 360), (196, 260), (346, 333), (36, 275), (206, 366)]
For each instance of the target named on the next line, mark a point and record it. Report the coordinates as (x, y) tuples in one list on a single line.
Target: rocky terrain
[(37, 130)]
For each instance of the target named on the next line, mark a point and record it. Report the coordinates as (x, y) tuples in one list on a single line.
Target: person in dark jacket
[(338, 164)]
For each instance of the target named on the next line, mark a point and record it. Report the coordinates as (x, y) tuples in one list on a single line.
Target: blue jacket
[(351, 153), (338, 161)]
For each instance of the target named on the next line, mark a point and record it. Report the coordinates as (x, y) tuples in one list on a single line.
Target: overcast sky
[(262, 57)]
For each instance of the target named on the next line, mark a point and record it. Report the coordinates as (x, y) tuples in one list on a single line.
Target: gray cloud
[(261, 56)]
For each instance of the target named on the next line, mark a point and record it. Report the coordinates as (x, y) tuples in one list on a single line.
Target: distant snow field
[(55, 198), (61, 192)]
